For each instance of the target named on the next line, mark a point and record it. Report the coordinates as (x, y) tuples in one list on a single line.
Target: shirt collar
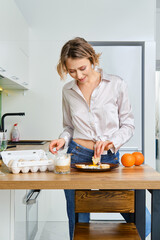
[(104, 76)]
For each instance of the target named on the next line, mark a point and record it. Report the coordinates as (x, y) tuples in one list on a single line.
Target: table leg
[(155, 214), (140, 208)]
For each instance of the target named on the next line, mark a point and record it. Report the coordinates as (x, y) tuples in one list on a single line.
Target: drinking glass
[(3, 145), (3, 141), (62, 163)]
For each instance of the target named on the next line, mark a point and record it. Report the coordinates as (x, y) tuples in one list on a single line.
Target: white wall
[(158, 33)]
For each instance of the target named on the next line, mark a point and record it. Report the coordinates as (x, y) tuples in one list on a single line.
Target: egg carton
[(28, 160)]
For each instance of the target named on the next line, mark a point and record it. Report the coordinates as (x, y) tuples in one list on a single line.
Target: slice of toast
[(104, 166), (80, 165), (89, 166), (96, 160)]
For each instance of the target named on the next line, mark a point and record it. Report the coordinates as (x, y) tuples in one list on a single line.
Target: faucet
[(9, 114)]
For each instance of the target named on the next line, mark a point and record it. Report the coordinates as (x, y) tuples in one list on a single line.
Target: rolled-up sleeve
[(126, 119), (67, 121)]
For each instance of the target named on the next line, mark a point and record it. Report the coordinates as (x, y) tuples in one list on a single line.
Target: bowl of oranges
[(130, 159)]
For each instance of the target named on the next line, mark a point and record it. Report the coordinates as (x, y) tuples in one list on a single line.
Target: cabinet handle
[(32, 196), (15, 78), (24, 83), (2, 69)]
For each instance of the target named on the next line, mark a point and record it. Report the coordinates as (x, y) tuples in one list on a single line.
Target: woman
[(97, 115)]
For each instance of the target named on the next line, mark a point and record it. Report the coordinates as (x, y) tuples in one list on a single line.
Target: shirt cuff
[(66, 139), (112, 150), (116, 145)]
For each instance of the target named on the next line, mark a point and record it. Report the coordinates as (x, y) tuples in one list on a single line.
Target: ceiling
[(28, 9), (34, 10)]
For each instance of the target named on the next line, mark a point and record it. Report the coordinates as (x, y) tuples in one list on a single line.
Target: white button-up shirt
[(109, 116)]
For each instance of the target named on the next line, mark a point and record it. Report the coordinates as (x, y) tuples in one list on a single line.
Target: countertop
[(136, 177), (4, 170), (45, 147)]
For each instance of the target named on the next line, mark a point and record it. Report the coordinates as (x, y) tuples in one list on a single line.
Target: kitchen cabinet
[(18, 219), (55, 206), (14, 47), (13, 25), (13, 215), (13, 67), (5, 216), (19, 214), (26, 214)]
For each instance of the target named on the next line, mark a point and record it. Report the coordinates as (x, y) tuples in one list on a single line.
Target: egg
[(25, 169), (34, 169), (43, 168), (15, 170), (10, 163), (51, 168)]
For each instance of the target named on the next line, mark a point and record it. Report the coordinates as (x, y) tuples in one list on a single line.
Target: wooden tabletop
[(137, 177)]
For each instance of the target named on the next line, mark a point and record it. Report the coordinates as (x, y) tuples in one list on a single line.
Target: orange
[(139, 158), (128, 160)]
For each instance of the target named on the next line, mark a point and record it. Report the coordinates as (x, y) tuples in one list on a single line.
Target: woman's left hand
[(100, 146)]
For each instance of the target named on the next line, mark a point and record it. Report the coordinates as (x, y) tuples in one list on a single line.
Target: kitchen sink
[(27, 142)]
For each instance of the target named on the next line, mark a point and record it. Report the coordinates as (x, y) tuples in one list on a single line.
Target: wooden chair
[(105, 201)]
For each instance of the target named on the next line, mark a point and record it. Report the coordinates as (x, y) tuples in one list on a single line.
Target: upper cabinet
[(13, 67), (14, 54)]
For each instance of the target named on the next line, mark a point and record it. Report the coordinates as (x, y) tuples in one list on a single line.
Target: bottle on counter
[(15, 135)]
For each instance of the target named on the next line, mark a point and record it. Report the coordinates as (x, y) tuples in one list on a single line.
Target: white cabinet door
[(13, 67), (20, 215), (18, 65), (4, 58), (14, 42), (13, 25), (23, 68), (5, 208), (52, 206)]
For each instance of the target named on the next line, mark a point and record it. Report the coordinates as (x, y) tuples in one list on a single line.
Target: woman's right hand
[(100, 146), (57, 143)]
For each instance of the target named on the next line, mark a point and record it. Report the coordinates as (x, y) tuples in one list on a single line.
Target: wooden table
[(139, 178)]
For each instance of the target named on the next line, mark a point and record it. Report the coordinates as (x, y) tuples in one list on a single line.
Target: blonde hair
[(76, 48)]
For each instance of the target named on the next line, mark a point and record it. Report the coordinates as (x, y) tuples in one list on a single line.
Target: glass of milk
[(62, 163)]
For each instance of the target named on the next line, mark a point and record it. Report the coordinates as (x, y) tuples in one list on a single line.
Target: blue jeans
[(81, 154)]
